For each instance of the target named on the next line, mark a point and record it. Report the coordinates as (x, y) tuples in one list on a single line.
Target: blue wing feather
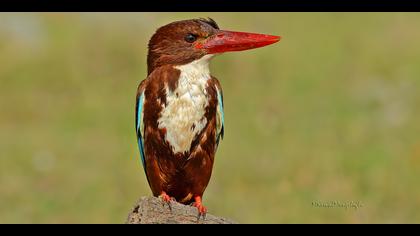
[(220, 113), (139, 123)]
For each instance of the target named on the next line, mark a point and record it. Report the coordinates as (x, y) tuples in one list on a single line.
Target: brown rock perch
[(151, 210)]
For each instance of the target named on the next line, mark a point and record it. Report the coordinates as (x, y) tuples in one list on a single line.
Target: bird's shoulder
[(141, 88), (161, 76), (216, 82), (213, 83)]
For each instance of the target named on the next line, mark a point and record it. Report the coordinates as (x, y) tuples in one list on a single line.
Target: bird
[(179, 115)]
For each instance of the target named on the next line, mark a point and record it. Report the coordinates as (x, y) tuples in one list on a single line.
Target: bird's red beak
[(229, 41)]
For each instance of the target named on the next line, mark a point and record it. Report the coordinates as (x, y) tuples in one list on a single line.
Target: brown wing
[(156, 149)]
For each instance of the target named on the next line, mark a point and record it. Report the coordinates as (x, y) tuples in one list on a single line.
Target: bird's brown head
[(182, 42)]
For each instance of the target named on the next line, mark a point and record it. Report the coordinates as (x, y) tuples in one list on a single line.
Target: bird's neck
[(198, 69)]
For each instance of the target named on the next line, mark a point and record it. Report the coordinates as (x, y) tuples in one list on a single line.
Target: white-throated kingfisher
[(179, 106)]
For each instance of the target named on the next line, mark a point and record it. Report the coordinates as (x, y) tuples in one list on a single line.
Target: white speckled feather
[(183, 116)]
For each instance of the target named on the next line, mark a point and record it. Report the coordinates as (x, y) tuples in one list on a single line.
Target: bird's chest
[(183, 115)]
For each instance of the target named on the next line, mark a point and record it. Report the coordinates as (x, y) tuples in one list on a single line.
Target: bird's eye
[(190, 38)]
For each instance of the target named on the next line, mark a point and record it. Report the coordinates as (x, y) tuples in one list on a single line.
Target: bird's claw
[(202, 211), (199, 215), (166, 199)]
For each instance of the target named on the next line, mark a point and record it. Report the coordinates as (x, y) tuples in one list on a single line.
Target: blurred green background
[(331, 113)]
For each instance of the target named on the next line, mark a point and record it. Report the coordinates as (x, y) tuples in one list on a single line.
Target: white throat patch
[(183, 116)]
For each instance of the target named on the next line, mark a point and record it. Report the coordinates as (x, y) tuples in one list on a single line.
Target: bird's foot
[(166, 199), (202, 210)]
